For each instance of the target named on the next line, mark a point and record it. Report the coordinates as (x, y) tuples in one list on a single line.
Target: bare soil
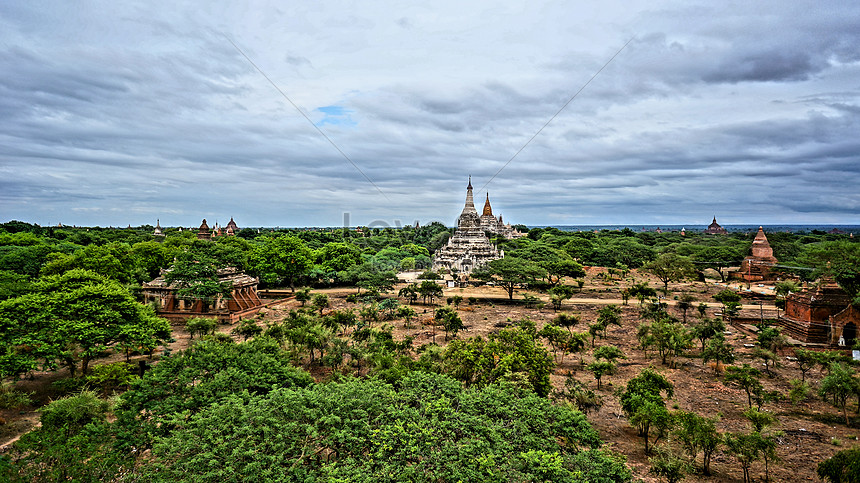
[(812, 431)]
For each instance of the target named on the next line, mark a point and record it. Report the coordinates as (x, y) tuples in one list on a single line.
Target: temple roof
[(488, 210), (827, 293), (230, 275)]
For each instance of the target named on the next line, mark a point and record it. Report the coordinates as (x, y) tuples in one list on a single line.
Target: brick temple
[(715, 229), (243, 300), (821, 315)]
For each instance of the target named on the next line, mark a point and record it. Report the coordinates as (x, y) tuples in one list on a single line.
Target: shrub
[(110, 377), (11, 398)]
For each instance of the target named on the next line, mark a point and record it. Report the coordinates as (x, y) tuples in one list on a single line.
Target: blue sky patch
[(335, 116)]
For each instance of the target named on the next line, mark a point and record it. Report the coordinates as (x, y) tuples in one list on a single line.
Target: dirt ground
[(812, 431)]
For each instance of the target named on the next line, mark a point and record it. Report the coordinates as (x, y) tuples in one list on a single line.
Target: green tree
[(718, 258), (72, 319), (806, 360), (708, 329), (671, 339), (389, 308), (624, 250), (423, 431), (746, 448), (719, 351), (727, 296), (601, 368), (320, 302), (839, 259), (116, 261), (566, 320), (194, 274), (557, 339), (337, 257), (13, 284), (746, 378), (555, 263), (685, 303), (152, 256), (609, 315), (578, 248), (510, 273), (194, 379), (670, 267), (200, 326), (410, 293), (642, 291), (643, 403), (450, 320), (840, 384), (303, 295), (502, 355), (558, 294), (429, 289), (407, 313), (247, 329), (609, 353), (72, 443), (282, 259), (698, 434)]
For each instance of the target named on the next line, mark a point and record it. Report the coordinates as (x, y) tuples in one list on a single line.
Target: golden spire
[(488, 210)]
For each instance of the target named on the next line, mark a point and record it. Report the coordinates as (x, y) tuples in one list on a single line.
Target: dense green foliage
[(843, 467), (234, 412), (71, 319), (428, 429), (512, 354)]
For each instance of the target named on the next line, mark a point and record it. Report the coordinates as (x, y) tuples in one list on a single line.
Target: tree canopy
[(71, 319)]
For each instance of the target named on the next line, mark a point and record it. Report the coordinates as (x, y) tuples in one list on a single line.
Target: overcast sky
[(117, 115)]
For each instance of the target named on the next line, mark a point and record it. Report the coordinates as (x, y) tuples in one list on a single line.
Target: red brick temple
[(822, 315), (715, 229), (205, 233), (243, 300)]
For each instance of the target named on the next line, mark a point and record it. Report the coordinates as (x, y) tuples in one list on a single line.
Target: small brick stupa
[(204, 233), (756, 266)]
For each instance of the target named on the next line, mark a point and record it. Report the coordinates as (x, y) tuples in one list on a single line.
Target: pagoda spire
[(470, 203), (488, 210)]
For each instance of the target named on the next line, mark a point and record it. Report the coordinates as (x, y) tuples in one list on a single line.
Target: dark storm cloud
[(773, 65)]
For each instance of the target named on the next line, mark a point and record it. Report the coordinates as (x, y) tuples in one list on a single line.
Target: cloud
[(113, 114)]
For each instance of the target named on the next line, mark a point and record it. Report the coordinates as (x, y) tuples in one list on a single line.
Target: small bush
[(74, 411), (69, 385), (110, 377), (11, 398), (799, 391)]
